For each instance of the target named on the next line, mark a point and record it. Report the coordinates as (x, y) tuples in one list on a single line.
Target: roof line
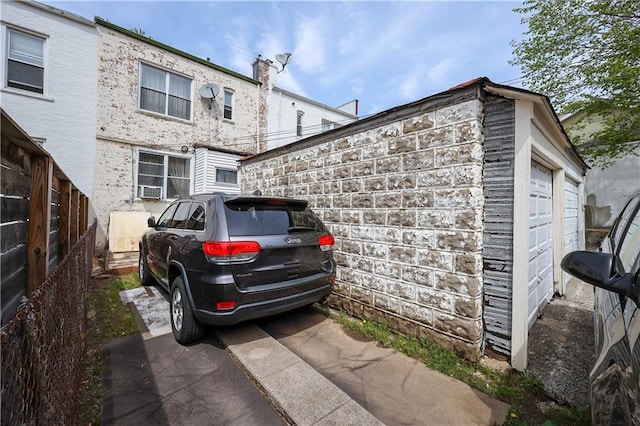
[(311, 101), (148, 40), (56, 11), (548, 103)]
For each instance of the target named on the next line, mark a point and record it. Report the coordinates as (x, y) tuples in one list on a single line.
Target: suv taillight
[(231, 251), (326, 242)]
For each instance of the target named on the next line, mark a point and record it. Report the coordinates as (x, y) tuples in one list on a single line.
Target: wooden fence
[(42, 215)]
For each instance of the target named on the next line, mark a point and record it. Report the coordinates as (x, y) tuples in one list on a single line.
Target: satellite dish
[(283, 58), (209, 91)]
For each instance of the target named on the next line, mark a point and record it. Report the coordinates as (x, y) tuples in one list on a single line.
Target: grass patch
[(522, 391), (107, 318)]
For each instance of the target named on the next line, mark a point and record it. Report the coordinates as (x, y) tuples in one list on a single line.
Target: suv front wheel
[(185, 327), (143, 271)]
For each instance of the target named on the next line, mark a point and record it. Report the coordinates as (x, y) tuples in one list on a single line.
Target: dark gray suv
[(615, 271), (226, 259)]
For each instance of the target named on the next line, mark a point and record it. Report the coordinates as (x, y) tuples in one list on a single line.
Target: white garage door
[(540, 241), (570, 224)]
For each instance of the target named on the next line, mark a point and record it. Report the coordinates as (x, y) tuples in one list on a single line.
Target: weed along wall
[(402, 193)]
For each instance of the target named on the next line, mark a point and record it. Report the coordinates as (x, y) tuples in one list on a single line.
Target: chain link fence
[(44, 345)]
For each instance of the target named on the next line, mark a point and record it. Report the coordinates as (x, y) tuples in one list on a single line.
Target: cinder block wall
[(404, 200)]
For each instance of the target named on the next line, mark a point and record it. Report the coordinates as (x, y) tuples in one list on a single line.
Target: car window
[(630, 245), (196, 217), (180, 216), (165, 218), (619, 227), (245, 219)]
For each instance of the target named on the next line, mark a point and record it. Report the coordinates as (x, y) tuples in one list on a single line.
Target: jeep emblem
[(291, 240)]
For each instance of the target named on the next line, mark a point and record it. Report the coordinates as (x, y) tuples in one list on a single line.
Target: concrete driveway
[(309, 368)]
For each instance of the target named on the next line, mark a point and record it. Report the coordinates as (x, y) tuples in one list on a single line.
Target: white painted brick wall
[(122, 128), (66, 114), (404, 201)]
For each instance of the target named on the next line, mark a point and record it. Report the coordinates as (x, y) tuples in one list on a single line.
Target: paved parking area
[(156, 381)]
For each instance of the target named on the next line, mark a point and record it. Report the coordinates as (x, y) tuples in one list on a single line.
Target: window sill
[(226, 120), (27, 94), (163, 116)]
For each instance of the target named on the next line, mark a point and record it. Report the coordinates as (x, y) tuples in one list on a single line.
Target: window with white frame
[(299, 123), (328, 125), (25, 61), (165, 92), (163, 176), (228, 104), (227, 176)]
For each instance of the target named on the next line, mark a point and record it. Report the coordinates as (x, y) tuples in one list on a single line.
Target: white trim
[(233, 103), (534, 141), (166, 155), (167, 71), (522, 183), (6, 29)]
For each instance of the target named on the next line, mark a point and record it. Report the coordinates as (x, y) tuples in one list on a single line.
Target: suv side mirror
[(151, 222), (599, 269)]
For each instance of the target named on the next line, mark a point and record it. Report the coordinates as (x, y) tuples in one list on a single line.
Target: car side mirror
[(599, 269), (151, 222)]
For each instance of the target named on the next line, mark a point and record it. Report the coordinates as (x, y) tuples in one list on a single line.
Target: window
[(630, 247), (165, 218), (181, 215), (228, 104), (327, 125), (164, 92), (166, 174), (226, 176), (196, 217), (299, 123), (25, 62), (263, 218)]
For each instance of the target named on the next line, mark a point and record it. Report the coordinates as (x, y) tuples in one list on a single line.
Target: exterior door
[(570, 224), (540, 241)]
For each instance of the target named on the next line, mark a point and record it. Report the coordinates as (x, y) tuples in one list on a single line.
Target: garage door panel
[(540, 241), (570, 222)]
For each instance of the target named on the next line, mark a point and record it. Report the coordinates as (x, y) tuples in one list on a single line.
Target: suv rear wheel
[(185, 327)]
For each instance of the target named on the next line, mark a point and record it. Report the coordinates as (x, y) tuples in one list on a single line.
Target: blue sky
[(383, 53)]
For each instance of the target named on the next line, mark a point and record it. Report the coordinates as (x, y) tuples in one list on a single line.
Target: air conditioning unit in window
[(145, 191)]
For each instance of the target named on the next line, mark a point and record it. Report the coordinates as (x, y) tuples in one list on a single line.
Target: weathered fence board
[(42, 215)]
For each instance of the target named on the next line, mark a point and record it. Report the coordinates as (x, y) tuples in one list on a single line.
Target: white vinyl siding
[(207, 166)]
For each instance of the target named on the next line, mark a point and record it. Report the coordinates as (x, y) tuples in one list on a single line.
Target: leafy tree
[(585, 55)]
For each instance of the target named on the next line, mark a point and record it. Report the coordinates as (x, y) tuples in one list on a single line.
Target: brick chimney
[(262, 71)]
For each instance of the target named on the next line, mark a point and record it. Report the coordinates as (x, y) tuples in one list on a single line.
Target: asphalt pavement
[(300, 368)]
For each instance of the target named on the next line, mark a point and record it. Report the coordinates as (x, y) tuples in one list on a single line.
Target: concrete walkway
[(561, 349), (319, 375)]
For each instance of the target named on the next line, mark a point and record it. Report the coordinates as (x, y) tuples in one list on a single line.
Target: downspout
[(258, 118)]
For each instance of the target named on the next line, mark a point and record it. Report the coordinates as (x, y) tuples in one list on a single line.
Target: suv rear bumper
[(263, 308)]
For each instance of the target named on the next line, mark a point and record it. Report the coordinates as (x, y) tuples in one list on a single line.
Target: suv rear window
[(269, 217)]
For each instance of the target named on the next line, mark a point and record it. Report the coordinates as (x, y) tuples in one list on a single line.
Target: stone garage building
[(451, 213)]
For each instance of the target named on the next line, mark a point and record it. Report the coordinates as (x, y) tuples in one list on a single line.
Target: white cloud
[(309, 54)]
